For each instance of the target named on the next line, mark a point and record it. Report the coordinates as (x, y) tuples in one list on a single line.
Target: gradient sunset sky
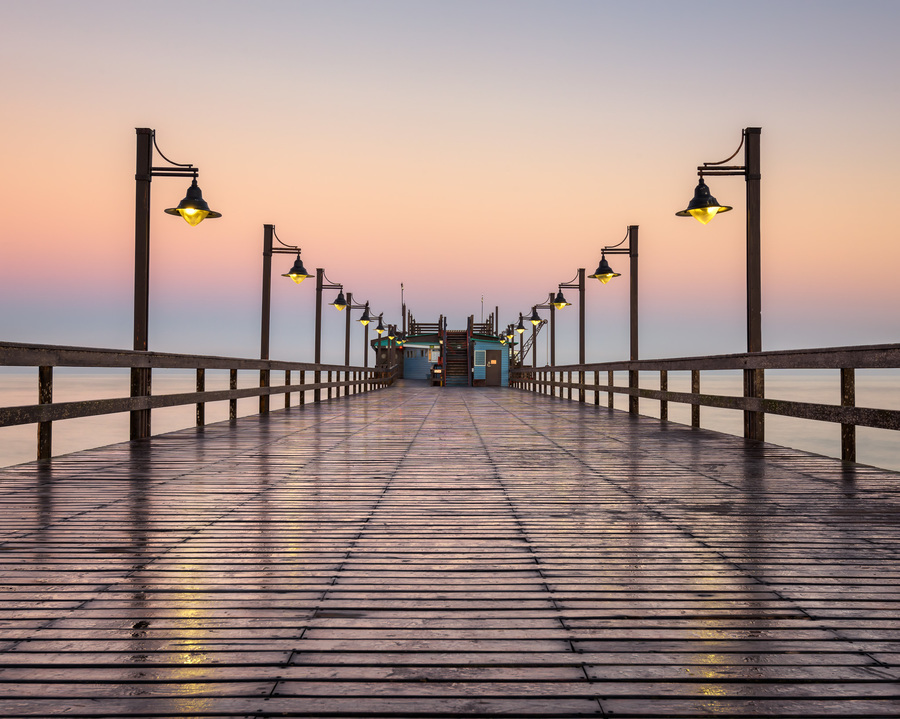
[(464, 149)]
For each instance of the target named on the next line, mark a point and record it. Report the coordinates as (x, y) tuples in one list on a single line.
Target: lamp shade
[(604, 272), (520, 328), (298, 272), (366, 317), (339, 302), (193, 207), (703, 206), (380, 328), (559, 301), (535, 318)]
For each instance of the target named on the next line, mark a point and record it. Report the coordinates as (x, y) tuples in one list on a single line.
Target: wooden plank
[(437, 552)]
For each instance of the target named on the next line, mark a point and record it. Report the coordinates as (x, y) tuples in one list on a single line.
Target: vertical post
[(232, 403), (664, 387), (581, 338), (201, 406), (848, 399), (695, 389), (140, 376), (45, 429), (552, 331), (533, 345), (633, 375), (287, 383), (302, 391), (329, 384), (610, 380), (142, 179), (597, 388), (349, 309), (318, 346), (754, 422), (268, 231), (366, 348)]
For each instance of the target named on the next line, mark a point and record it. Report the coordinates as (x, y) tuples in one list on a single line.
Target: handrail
[(549, 380), (349, 379)]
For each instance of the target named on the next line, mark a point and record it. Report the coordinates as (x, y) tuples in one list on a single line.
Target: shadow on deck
[(432, 552)]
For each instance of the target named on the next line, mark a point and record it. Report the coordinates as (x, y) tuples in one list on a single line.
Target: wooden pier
[(433, 552)]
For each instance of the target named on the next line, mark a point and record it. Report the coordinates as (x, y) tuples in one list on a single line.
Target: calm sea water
[(879, 389)]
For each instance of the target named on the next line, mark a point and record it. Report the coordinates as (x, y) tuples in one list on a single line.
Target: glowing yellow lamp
[(604, 272), (193, 207), (339, 302), (298, 272), (559, 302), (703, 206)]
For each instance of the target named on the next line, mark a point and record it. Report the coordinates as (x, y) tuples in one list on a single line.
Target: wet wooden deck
[(429, 552)]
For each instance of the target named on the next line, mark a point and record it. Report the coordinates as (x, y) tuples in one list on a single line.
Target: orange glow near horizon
[(391, 156)]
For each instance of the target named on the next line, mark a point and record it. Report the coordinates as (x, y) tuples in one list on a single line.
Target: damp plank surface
[(439, 552)]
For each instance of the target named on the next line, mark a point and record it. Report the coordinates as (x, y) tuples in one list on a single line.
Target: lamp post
[(536, 320), (194, 210), (364, 320), (350, 306), (519, 329), (322, 283), (704, 207), (297, 273), (560, 302), (604, 273)]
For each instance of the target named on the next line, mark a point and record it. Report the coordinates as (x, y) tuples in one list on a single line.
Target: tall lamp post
[(194, 210), (350, 306), (322, 283), (560, 302), (297, 273), (535, 320), (604, 273), (704, 207)]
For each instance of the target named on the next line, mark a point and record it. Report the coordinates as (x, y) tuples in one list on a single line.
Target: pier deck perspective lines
[(429, 552)]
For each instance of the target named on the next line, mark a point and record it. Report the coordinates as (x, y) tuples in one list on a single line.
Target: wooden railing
[(332, 380), (561, 381)]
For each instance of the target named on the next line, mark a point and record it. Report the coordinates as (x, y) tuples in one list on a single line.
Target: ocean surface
[(879, 389)]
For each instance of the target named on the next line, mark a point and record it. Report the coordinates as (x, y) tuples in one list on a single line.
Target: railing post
[(302, 391), (754, 386), (140, 387), (663, 403), (263, 398), (232, 403), (695, 389), (45, 429), (848, 399), (596, 388), (287, 383), (200, 414), (611, 380), (633, 382), (569, 382), (329, 384)]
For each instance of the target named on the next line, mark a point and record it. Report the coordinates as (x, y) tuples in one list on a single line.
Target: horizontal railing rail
[(334, 380), (565, 379)]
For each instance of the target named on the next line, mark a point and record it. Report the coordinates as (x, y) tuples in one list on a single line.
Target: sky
[(465, 149)]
